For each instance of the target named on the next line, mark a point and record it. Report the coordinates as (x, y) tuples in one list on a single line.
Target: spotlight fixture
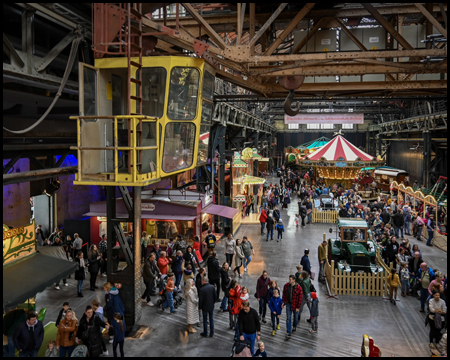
[(53, 188)]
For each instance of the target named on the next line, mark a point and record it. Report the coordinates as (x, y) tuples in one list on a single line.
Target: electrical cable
[(72, 56)]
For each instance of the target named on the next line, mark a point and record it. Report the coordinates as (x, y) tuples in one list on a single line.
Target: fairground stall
[(165, 215)]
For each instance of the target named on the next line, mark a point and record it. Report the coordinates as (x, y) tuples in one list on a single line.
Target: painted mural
[(18, 242)]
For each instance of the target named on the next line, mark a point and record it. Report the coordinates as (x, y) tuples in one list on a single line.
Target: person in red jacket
[(292, 299), (235, 300), (163, 261), (262, 220)]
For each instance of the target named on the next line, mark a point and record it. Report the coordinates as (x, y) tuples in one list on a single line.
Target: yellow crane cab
[(140, 139)]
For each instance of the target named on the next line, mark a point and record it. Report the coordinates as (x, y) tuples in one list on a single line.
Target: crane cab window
[(179, 143), (183, 93), (153, 91)]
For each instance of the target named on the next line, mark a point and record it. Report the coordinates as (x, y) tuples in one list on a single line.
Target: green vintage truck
[(352, 250)]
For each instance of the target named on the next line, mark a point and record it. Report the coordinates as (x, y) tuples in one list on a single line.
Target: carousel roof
[(339, 148), (315, 143)]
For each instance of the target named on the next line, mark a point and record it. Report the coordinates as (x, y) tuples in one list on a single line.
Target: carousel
[(339, 162), (293, 155)]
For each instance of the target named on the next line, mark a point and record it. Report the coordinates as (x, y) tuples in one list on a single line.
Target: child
[(297, 219), (405, 276), (187, 273), (98, 311), (170, 287), (314, 311), (395, 283), (119, 333), (280, 228), (275, 306), (244, 294), (62, 313), (51, 350), (260, 352)]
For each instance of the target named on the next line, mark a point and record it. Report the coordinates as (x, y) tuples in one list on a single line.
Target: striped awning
[(238, 163)]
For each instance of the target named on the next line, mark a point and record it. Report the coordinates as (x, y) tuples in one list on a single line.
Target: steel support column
[(426, 158)]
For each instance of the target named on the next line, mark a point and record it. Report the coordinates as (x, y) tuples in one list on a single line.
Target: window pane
[(327, 126), (90, 91), (313, 126), (145, 157), (208, 86), (153, 91), (203, 144), (179, 145), (207, 113), (347, 126), (292, 126), (183, 93)]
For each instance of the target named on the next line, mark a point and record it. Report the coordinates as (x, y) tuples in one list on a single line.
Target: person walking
[(113, 302), (178, 269), (314, 313), (437, 307), (93, 265), (305, 263), (207, 299), (149, 274), (238, 260), (80, 274), (292, 299), (302, 212), (263, 220), (191, 296), (102, 249), (235, 307), (119, 327), (394, 283), (275, 306), (67, 332), (276, 214), (322, 259), (225, 283), (249, 325), (230, 246), (197, 246), (431, 226), (145, 240), (214, 272), (270, 224), (399, 222), (28, 336), (280, 229), (169, 288), (262, 287), (89, 331), (425, 276), (309, 210), (306, 284), (248, 251)]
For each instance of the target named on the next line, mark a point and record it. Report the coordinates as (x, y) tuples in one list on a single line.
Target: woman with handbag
[(67, 332), (190, 258), (80, 272)]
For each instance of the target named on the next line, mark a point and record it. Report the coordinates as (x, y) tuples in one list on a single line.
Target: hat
[(313, 295), (306, 251), (280, 221)]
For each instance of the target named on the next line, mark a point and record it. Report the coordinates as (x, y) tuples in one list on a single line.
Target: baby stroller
[(177, 299)]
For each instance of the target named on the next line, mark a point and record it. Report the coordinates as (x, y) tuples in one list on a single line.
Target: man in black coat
[(214, 272), (385, 217), (28, 336), (206, 300), (398, 222), (276, 214), (414, 264), (270, 223)]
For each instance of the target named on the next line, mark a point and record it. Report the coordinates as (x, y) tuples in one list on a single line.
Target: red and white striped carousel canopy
[(339, 148)]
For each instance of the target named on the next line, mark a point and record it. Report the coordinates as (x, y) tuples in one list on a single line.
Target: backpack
[(210, 241)]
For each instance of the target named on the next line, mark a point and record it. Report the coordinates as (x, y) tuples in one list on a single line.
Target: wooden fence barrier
[(324, 216), (362, 284)]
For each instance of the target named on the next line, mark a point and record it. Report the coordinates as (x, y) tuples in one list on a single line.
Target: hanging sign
[(357, 118), (147, 206)]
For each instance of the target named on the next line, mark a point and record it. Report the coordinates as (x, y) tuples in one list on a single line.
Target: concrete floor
[(397, 330)]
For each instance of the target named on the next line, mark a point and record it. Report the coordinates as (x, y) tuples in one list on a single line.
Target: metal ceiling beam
[(299, 17), (269, 22), (209, 30), (431, 19), (308, 36)]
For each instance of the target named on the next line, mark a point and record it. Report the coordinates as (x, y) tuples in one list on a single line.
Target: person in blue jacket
[(280, 228), (314, 311), (119, 333), (275, 306), (305, 263)]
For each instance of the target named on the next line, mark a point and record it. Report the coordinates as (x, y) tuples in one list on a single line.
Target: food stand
[(165, 214)]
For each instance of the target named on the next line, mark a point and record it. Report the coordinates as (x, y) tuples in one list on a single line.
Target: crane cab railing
[(117, 150)]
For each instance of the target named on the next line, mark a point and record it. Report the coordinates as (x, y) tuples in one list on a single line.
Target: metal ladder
[(134, 49)]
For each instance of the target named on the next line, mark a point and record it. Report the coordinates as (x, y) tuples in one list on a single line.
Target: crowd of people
[(180, 273)]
